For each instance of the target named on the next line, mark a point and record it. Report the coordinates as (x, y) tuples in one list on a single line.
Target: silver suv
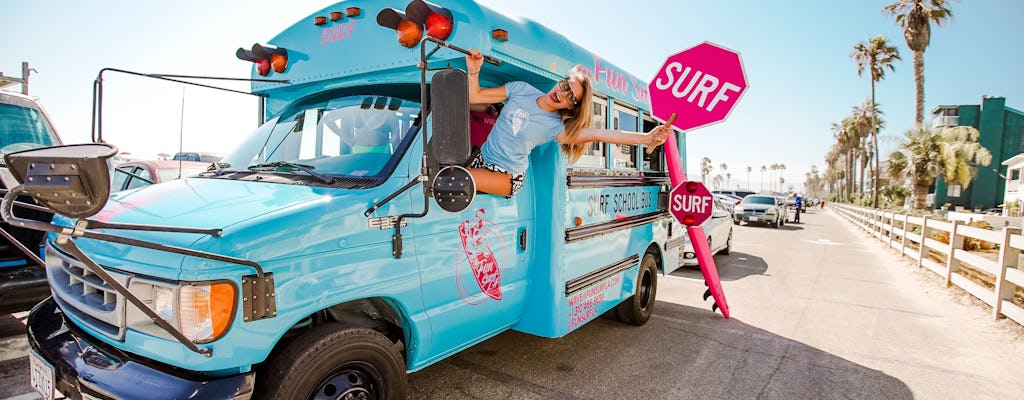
[(762, 209)]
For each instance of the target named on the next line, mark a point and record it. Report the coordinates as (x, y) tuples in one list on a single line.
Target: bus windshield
[(347, 136), (23, 128)]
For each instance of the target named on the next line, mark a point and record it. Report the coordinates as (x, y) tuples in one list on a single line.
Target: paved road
[(819, 311)]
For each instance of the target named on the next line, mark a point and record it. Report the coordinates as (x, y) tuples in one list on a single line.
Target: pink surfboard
[(677, 174)]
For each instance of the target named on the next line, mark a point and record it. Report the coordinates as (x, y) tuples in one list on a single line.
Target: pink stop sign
[(691, 203), (700, 84)]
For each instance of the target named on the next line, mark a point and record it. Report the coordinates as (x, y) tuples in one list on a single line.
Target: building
[(1002, 133)]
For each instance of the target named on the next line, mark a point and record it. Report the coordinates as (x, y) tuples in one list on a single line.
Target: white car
[(761, 209), (718, 232)]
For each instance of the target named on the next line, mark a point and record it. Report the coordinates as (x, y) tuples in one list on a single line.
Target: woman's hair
[(577, 118)]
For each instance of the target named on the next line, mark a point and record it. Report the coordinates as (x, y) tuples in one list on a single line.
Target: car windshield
[(23, 128), (758, 200), (346, 135)]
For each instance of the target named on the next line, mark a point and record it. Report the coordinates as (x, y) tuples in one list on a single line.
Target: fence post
[(892, 227), (922, 249), (876, 223), (952, 265), (903, 241), (1008, 258)]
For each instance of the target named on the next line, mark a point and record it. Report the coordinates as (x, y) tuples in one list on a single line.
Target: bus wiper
[(305, 168)]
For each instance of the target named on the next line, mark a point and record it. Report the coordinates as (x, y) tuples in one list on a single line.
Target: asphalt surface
[(819, 311)]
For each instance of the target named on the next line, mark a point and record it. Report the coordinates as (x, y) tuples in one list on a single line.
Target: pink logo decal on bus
[(475, 235)]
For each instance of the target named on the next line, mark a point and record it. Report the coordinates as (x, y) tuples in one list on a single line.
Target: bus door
[(474, 270)]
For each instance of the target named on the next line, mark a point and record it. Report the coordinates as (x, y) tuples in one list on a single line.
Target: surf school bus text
[(376, 257)]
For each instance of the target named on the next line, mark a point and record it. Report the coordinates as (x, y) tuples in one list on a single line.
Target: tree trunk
[(919, 85), (874, 140), (920, 192)]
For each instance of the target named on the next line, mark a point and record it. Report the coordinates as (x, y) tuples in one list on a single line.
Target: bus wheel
[(637, 309), (335, 362)]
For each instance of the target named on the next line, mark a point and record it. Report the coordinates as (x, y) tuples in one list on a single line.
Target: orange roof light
[(500, 35)]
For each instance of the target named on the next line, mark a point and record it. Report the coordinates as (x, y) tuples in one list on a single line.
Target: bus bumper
[(86, 368)]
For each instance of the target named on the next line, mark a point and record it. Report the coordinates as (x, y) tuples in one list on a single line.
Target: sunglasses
[(564, 86)]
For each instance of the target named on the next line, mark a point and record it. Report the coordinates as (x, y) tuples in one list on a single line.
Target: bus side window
[(656, 160), (626, 119), (593, 155)]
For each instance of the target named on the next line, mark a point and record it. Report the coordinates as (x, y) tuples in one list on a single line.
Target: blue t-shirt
[(520, 127)]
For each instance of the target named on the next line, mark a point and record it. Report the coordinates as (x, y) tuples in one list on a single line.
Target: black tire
[(736, 222), (330, 360), (637, 309), (778, 223), (728, 245)]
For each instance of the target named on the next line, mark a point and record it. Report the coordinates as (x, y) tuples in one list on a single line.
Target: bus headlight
[(201, 311), (204, 311)]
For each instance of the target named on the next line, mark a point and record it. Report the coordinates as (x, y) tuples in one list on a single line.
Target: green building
[(1002, 133)]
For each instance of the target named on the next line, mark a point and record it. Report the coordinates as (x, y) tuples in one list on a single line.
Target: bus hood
[(261, 222)]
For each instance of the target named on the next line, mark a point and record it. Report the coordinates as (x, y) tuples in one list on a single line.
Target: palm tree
[(724, 168), (748, 176), (763, 170), (782, 167), (728, 175), (954, 153), (705, 169), (716, 182), (961, 154), (875, 55), (915, 17)]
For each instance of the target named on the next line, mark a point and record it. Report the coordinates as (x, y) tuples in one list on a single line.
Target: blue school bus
[(342, 245)]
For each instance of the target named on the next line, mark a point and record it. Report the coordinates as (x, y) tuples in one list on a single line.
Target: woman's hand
[(658, 135), (474, 60)]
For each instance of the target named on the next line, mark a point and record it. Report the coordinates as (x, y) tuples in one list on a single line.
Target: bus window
[(655, 160), (626, 119), (593, 155)]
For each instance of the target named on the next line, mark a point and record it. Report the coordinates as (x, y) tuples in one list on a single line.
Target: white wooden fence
[(905, 233)]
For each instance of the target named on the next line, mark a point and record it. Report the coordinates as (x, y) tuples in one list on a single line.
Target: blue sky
[(796, 56)]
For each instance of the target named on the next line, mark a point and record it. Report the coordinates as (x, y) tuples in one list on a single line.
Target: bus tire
[(331, 360), (637, 309)]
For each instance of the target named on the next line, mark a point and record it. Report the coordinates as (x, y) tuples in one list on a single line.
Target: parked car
[(762, 209), (198, 156), (24, 125), (136, 174), (728, 200), (718, 230), (738, 193)]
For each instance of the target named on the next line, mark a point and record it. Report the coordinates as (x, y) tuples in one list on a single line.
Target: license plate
[(752, 219), (41, 375)]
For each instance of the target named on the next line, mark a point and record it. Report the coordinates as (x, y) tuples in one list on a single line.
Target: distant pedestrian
[(799, 203)]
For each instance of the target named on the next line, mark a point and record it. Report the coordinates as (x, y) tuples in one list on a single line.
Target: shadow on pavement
[(681, 353), (732, 267)]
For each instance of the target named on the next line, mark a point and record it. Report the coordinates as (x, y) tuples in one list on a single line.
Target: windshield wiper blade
[(303, 167)]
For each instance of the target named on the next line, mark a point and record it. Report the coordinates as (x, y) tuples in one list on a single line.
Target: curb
[(13, 348)]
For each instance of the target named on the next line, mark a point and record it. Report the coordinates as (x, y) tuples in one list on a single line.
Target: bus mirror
[(454, 188), (70, 180), (449, 113)]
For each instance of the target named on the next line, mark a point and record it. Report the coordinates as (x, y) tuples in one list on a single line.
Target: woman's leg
[(492, 182)]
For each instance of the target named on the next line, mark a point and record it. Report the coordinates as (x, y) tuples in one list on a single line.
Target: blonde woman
[(532, 118)]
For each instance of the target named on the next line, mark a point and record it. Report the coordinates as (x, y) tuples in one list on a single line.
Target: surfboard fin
[(714, 307), (707, 293)]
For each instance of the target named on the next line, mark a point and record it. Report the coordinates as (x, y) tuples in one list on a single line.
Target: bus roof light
[(262, 65), (335, 15), (438, 20), (409, 32), (319, 20), (500, 35), (353, 12), (277, 56)]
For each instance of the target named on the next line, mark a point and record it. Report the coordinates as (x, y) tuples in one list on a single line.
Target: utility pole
[(6, 81)]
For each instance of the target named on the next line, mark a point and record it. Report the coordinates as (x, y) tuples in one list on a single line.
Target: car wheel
[(736, 221), (728, 244), (331, 361), (778, 223), (637, 309)]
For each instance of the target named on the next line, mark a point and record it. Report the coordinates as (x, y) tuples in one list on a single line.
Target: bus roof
[(356, 51)]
